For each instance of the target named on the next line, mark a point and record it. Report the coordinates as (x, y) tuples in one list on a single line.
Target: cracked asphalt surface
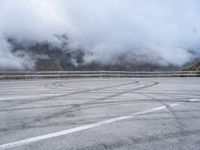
[(34, 108)]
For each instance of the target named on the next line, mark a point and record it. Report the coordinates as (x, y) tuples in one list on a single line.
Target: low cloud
[(162, 32)]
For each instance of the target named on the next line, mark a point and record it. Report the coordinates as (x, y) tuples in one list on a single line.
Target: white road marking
[(25, 97), (151, 110), (193, 100), (84, 127)]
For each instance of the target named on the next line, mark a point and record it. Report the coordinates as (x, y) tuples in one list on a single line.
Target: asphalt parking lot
[(100, 114)]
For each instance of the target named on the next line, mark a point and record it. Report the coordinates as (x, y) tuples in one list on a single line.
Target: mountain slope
[(194, 67)]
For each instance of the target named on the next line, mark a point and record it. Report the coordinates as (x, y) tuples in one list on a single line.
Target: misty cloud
[(164, 32)]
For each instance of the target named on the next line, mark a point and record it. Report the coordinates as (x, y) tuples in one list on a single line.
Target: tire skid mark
[(97, 104), (75, 107), (130, 141), (78, 107), (94, 101), (48, 98), (174, 115), (89, 120)]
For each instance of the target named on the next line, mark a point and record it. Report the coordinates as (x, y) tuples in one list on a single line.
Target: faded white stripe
[(82, 128)]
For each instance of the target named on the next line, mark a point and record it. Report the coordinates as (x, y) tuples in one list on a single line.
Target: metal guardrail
[(95, 74)]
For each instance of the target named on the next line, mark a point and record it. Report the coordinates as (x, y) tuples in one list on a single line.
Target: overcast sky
[(164, 31)]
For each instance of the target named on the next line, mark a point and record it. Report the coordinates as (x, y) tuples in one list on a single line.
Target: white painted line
[(193, 100), (151, 110), (175, 104), (15, 98), (82, 128), (25, 97)]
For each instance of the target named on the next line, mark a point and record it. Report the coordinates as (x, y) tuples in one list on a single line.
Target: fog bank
[(149, 31)]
